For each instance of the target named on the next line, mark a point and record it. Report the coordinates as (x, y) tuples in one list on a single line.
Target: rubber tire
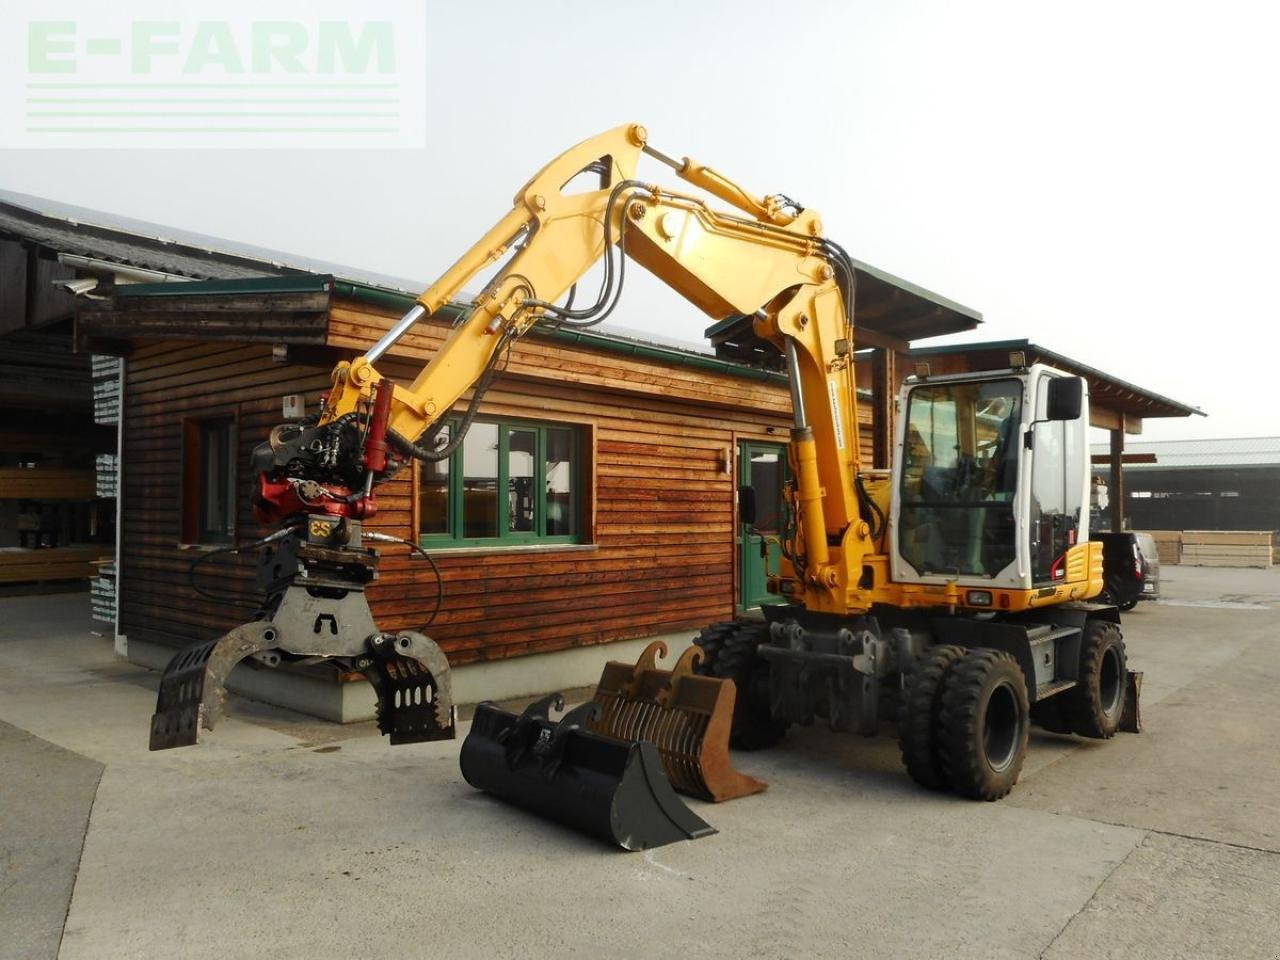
[(918, 716), (753, 725), (1083, 705), (1127, 605), (711, 639), (966, 694)]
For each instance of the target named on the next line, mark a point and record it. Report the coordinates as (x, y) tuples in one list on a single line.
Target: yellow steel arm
[(771, 264)]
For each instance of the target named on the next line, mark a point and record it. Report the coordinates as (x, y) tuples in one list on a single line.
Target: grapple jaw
[(315, 611), (604, 787), (688, 717)]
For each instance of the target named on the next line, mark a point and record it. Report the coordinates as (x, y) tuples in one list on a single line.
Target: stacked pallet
[(46, 483), (57, 563), (1227, 548), (1168, 545)]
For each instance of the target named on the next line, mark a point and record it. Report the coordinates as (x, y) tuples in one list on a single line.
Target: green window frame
[(544, 434)]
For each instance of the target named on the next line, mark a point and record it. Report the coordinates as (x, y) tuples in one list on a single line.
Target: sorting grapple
[(315, 611), (687, 716), (605, 787)]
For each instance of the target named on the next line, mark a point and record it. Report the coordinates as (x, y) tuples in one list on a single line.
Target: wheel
[(1095, 704), (754, 727), (711, 640), (983, 724), (1112, 591), (918, 717), (1128, 605)]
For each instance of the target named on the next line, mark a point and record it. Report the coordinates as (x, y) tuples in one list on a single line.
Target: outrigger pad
[(686, 715), (611, 789)]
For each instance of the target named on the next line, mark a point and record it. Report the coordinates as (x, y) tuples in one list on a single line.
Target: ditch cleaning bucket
[(605, 787), (687, 716)]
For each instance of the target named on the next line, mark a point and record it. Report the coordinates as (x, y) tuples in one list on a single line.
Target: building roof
[(895, 308), (66, 228), (888, 311), (1109, 391), (1217, 452)]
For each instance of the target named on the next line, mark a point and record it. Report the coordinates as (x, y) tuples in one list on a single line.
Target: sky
[(1101, 178)]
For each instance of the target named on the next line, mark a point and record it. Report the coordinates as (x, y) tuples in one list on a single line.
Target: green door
[(764, 467)]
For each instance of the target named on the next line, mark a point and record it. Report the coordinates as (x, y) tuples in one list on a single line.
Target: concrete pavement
[(287, 836)]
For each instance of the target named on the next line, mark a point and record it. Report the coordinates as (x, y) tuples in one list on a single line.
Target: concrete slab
[(1206, 765), (366, 852), (1179, 899), (46, 794), (286, 836)]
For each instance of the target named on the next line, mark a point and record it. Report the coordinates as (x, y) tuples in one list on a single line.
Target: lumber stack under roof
[(1227, 548), (56, 563), (1168, 544)]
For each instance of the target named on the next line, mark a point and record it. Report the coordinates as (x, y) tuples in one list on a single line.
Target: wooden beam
[(1116, 487), (863, 338), (884, 379), (1103, 458), (243, 318)]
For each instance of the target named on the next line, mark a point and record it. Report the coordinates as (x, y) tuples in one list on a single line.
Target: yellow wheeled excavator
[(952, 594)]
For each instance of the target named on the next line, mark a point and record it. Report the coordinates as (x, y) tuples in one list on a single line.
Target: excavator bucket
[(687, 716), (604, 787)]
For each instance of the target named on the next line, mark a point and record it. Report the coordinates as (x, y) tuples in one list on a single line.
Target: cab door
[(762, 466)]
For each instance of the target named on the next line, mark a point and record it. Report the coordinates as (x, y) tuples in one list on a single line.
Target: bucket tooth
[(686, 716), (605, 787)]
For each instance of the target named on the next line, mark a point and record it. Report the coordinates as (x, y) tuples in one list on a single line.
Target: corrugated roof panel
[(1216, 452)]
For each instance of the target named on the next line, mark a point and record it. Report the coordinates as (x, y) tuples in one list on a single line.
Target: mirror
[(747, 504), (1066, 398)]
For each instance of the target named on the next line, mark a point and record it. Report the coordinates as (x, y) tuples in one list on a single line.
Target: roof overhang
[(1115, 404), (888, 312)]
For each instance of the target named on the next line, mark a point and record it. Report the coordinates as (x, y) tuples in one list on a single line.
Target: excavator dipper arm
[(769, 261)]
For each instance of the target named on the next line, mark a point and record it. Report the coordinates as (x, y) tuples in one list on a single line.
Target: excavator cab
[(991, 485)]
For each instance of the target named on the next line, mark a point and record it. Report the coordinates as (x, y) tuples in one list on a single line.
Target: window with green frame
[(510, 482)]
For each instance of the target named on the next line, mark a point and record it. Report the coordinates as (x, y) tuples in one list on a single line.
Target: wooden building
[(593, 501), (591, 507)]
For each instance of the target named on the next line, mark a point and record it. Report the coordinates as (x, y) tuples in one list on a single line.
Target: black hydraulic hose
[(388, 538), (412, 449), (209, 555), (869, 507), (610, 291)]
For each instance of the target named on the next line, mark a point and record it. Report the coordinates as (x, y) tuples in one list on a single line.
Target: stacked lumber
[(1227, 548), (57, 563), (46, 483), (1168, 544)]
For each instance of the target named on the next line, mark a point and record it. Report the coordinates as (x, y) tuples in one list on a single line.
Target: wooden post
[(883, 377), (1117, 477)]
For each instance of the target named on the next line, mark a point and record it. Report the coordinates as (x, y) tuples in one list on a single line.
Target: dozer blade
[(687, 716), (604, 787), (1131, 714)]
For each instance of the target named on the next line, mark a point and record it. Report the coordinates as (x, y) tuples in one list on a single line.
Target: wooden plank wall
[(661, 555)]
